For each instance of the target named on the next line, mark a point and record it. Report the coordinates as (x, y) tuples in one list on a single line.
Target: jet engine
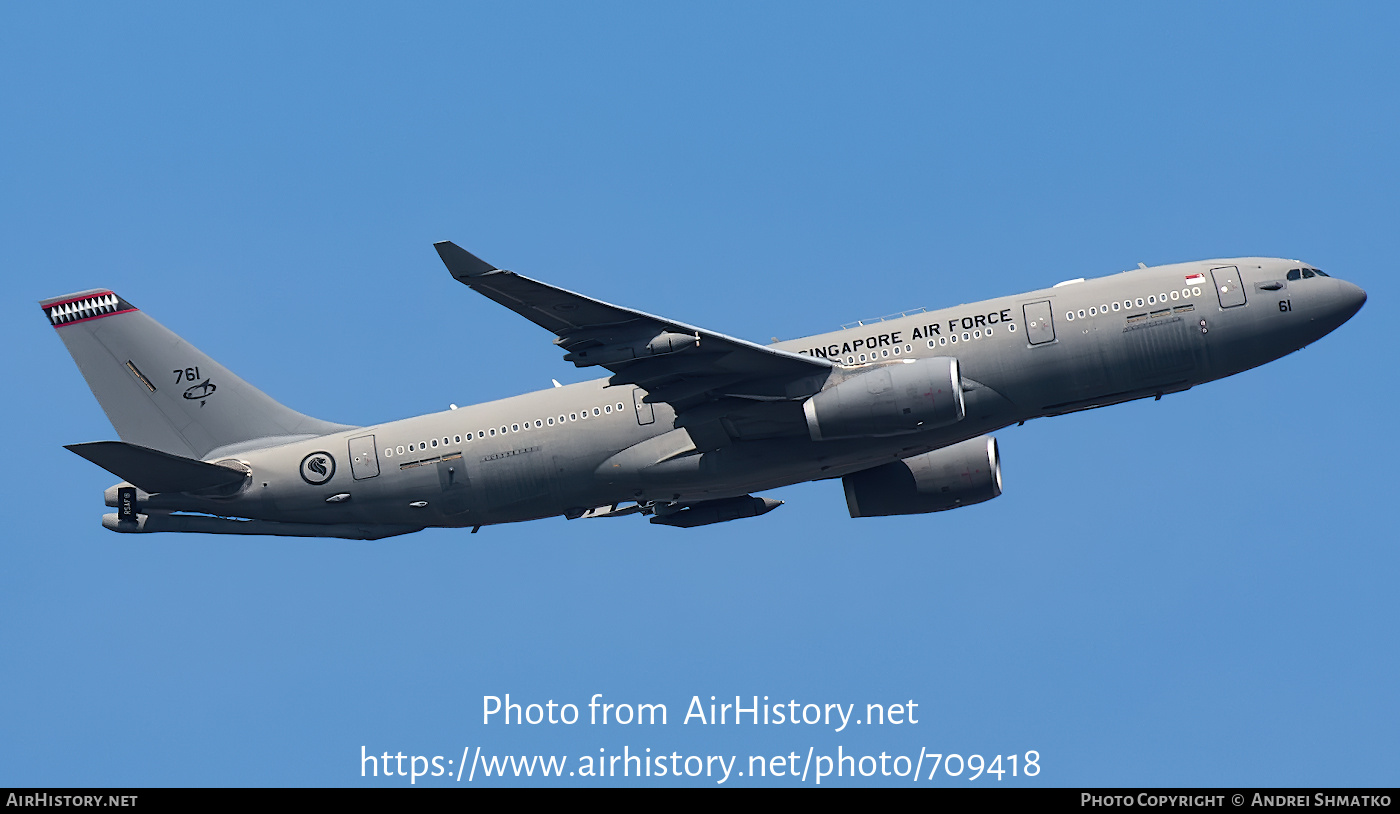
[(907, 396), (947, 478)]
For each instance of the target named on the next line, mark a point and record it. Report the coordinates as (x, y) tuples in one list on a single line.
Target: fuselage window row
[(1153, 299), (885, 354), (967, 336), (1092, 311), (607, 409)]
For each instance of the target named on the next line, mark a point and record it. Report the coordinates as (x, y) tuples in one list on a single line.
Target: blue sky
[(1197, 591)]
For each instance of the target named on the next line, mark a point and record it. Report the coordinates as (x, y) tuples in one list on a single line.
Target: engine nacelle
[(892, 399), (947, 478)]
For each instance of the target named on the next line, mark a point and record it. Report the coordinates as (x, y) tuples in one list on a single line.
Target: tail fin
[(161, 392)]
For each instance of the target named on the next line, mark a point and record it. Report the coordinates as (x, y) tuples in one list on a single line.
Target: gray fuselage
[(1075, 346)]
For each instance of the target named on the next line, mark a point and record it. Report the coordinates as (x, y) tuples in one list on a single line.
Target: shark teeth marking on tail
[(85, 306)]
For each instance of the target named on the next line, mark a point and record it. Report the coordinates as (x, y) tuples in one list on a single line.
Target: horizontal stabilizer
[(155, 471)]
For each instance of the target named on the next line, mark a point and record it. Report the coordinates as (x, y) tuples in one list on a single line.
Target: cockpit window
[(1306, 272)]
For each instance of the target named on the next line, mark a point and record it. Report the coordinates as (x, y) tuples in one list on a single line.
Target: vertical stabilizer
[(161, 392)]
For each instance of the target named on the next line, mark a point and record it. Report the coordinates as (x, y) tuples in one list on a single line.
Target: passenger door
[(1228, 286), (364, 457), (1040, 325)]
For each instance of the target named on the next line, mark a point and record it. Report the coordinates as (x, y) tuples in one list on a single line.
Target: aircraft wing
[(705, 376)]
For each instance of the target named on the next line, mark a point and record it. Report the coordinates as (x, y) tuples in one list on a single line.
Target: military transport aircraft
[(690, 422)]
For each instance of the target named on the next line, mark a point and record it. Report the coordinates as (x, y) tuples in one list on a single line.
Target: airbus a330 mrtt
[(691, 422)]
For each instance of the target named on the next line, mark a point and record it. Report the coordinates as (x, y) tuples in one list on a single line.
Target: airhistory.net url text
[(811, 767)]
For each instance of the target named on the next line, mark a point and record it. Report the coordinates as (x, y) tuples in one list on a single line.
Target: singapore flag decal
[(1195, 279)]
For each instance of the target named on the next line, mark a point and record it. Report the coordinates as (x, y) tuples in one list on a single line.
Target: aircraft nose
[(1352, 298), (1341, 303)]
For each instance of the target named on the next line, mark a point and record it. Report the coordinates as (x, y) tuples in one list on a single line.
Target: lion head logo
[(317, 468)]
